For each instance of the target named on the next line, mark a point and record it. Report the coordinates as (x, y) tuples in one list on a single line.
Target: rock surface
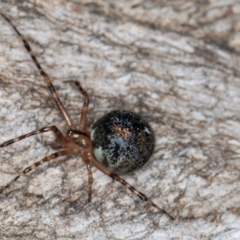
[(176, 63)]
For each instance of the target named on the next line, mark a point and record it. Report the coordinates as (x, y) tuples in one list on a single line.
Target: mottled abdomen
[(122, 141)]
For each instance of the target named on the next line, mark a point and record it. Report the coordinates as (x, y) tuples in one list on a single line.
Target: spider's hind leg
[(117, 178), (142, 196)]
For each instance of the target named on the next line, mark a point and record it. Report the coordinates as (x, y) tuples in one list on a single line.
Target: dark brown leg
[(136, 192), (62, 140), (32, 167), (115, 177), (46, 77)]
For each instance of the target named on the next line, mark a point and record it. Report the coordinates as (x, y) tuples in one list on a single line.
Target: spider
[(119, 142)]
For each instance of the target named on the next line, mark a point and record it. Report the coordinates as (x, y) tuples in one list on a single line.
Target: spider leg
[(142, 196), (48, 81), (115, 177), (90, 181), (35, 165), (85, 104), (62, 140)]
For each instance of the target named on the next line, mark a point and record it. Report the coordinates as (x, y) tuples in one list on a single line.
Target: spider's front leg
[(83, 118), (47, 79)]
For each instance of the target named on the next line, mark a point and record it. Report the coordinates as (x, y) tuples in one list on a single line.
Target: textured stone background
[(174, 62)]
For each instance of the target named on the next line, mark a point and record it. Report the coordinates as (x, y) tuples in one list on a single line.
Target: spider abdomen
[(122, 141)]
